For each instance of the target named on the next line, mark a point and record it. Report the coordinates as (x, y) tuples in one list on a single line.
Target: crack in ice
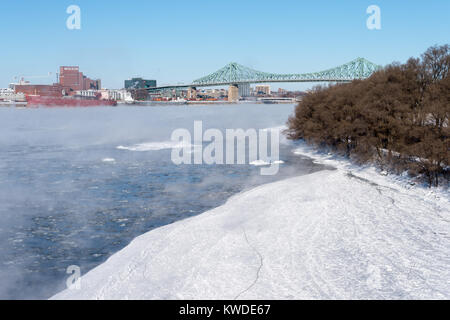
[(259, 268)]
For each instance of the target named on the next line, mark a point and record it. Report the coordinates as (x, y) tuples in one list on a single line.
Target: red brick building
[(70, 81), (73, 80), (71, 77), (55, 90)]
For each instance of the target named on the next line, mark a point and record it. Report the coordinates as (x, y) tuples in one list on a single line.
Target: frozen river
[(77, 185)]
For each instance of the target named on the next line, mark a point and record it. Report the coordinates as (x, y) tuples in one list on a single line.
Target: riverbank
[(348, 233), (221, 102)]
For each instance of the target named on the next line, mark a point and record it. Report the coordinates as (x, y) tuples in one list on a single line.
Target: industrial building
[(139, 83), (71, 80), (244, 90), (55, 90), (262, 89)]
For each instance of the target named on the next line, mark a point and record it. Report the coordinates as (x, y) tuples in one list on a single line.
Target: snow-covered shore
[(348, 233)]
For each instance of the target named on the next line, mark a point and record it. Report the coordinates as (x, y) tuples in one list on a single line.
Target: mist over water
[(77, 185)]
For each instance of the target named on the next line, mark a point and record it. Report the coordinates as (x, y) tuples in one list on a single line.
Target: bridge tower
[(233, 93), (192, 93)]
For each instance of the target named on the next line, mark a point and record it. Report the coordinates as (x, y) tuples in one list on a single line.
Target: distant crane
[(22, 78)]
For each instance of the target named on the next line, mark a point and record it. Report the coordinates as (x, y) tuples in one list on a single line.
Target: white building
[(105, 94), (87, 93), (120, 95), (262, 89), (8, 94)]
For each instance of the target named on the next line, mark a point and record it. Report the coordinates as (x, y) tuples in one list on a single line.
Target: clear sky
[(179, 41)]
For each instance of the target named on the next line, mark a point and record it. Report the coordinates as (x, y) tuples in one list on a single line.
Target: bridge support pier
[(192, 93), (233, 93)]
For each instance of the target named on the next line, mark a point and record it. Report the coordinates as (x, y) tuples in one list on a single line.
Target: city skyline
[(180, 42)]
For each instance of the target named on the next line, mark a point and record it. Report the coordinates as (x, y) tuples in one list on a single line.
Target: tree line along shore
[(397, 119)]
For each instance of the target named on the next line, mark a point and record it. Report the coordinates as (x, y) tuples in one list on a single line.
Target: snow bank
[(330, 235), (370, 172)]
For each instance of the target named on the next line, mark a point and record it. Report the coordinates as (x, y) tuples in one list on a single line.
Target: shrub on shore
[(398, 118)]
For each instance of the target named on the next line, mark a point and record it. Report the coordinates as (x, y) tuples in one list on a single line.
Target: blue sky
[(179, 41)]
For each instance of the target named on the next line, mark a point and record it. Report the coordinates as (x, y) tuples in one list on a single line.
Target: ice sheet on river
[(325, 235)]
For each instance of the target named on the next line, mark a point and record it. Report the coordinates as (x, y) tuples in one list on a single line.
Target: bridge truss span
[(235, 74)]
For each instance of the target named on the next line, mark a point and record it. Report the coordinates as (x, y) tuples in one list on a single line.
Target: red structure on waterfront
[(55, 90), (71, 80), (64, 93), (35, 101)]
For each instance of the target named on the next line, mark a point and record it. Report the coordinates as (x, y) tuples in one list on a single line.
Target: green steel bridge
[(235, 74)]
